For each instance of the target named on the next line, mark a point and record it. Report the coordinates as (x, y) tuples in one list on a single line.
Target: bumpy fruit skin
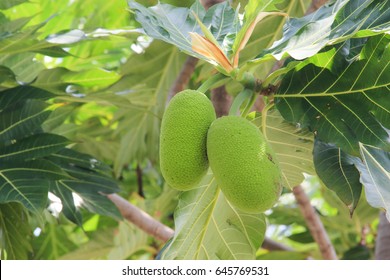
[(243, 164), (183, 156)]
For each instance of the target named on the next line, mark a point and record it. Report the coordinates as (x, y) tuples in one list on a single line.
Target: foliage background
[(103, 86)]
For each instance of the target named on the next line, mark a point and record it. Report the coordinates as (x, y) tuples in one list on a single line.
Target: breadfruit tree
[(232, 125)]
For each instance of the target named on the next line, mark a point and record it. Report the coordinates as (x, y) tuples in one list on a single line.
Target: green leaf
[(207, 226), (253, 11), (13, 95), (15, 232), (162, 22), (52, 243), (346, 107), (283, 255), (128, 240), (65, 38), (35, 146), (262, 37), (21, 120), (8, 27), (28, 40), (58, 79), (302, 237), (27, 182), (69, 208), (375, 176), (338, 172), (6, 74), (68, 158), (98, 246), (92, 197), (292, 145), (143, 92), (221, 20), (90, 182), (360, 252), (331, 24), (6, 4), (25, 67), (58, 117)]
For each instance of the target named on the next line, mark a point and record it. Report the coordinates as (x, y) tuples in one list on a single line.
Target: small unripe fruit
[(183, 156), (244, 166)]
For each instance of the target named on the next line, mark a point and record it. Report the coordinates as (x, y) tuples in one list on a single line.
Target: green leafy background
[(82, 94)]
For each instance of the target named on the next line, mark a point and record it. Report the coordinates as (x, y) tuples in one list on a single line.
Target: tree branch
[(184, 76), (138, 172), (315, 225), (160, 231), (141, 219), (272, 245), (315, 5), (221, 101), (382, 246)]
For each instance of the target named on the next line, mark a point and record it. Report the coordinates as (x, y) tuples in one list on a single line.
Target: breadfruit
[(183, 156), (244, 166)]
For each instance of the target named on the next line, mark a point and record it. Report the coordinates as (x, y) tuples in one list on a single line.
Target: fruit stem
[(214, 81), (240, 98), (250, 104), (264, 113)]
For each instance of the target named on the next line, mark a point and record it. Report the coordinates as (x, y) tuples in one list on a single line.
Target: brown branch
[(221, 101), (208, 3), (188, 68), (382, 246), (272, 245), (315, 5), (314, 224), (184, 76), (141, 219), (138, 172), (160, 231)]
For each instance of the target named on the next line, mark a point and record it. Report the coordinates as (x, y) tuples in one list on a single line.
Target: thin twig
[(314, 224), (138, 172)]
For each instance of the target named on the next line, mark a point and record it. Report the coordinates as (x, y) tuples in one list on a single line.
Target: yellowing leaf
[(208, 49)]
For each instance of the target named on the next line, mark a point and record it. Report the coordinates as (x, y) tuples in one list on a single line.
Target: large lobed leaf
[(338, 172), (33, 162), (341, 95), (293, 146), (207, 226), (52, 242), (15, 230), (329, 25), (216, 35), (346, 106), (375, 170), (174, 24)]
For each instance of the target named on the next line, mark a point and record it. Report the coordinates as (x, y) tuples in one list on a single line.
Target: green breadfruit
[(244, 166), (183, 156)]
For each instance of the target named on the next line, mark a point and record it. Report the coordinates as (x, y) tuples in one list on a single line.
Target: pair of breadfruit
[(192, 139)]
